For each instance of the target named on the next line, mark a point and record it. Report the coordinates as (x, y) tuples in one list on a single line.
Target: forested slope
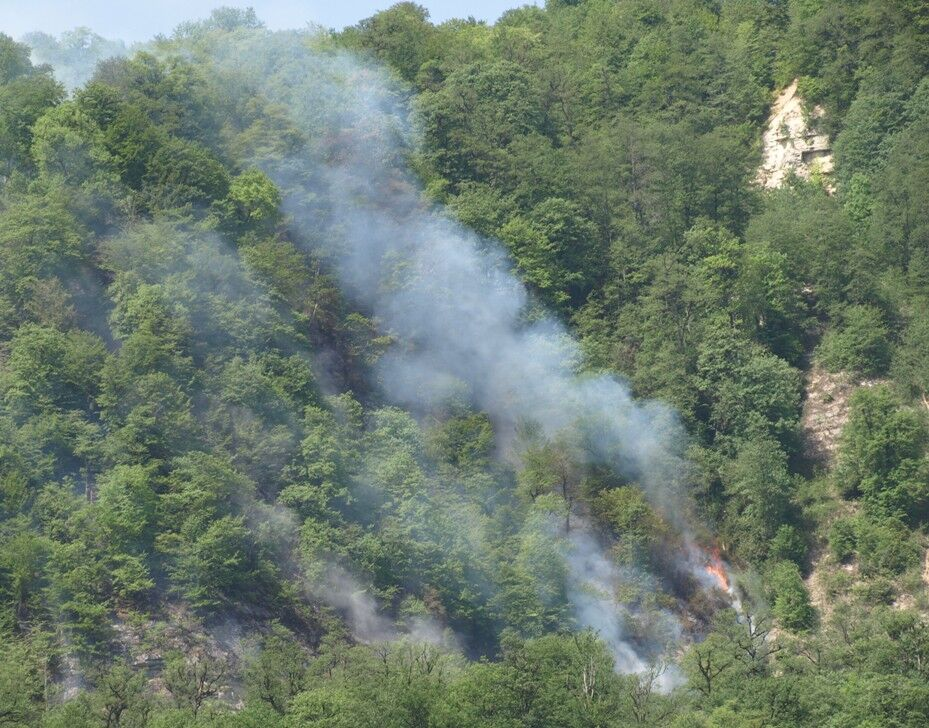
[(242, 484)]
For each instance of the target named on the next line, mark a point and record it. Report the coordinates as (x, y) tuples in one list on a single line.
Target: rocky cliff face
[(791, 144)]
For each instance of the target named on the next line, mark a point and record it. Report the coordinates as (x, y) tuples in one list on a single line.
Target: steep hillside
[(461, 375)]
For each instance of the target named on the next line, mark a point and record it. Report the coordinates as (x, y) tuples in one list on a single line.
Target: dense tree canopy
[(211, 513)]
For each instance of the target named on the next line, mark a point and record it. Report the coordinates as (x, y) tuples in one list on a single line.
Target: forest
[(439, 375)]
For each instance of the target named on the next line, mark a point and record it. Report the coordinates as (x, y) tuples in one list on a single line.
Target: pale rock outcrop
[(790, 144), (826, 410)]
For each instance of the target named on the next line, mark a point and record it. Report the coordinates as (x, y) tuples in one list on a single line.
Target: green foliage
[(402, 36), (843, 539), (195, 679), (279, 672), (758, 486), (480, 111), (166, 332), (859, 344), (886, 547), (788, 545), (21, 689), (68, 147), (220, 561), (791, 602), (48, 368), (40, 238), (883, 455), (26, 92), (14, 59), (749, 392), (183, 172), (910, 367), (254, 200), (126, 508), (554, 250), (23, 101)]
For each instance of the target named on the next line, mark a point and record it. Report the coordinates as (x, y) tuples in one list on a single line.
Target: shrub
[(792, 606), (883, 456), (788, 545), (842, 539), (886, 547), (859, 344)]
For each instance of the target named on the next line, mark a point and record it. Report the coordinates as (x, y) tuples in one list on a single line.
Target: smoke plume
[(448, 297)]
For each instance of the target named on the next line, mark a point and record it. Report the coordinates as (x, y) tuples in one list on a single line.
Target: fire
[(715, 568)]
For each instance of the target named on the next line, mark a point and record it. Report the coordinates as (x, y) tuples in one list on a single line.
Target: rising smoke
[(450, 300), (448, 297), (73, 55)]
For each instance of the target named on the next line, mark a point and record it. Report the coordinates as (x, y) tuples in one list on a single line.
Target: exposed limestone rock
[(790, 144), (826, 410)]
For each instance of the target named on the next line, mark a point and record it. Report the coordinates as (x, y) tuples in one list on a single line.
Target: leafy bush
[(843, 539), (788, 545), (886, 547), (860, 344), (791, 603), (882, 455)]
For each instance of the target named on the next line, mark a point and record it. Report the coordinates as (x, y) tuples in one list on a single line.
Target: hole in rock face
[(810, 154)]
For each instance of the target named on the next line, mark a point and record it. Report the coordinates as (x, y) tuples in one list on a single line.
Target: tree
[(792, 606), (640, 532), (551, 467), (882, 455), (910, 366), (152, 420), (195, 677), (278, 673), (748, 391), (184, 173), (707, 662), (14, 59), (899, 222), (327, 706), (123, 130), (126, 505), (40, 238), (859, 345), (219, 563), (842, 539), (54, 369), (788, 545), (813, 232), (22, 102), (120, 700), (21, 570), (253, 201), (555, 250), (68, 147), (886, 547), (473, 119), (401, 35), (758, 488), (21, 687)]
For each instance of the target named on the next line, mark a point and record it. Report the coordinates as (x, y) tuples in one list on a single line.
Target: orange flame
[(715, 568)]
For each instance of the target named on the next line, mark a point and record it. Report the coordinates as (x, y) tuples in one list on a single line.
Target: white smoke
[(74, 55), (449, 297), (592, 583)]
